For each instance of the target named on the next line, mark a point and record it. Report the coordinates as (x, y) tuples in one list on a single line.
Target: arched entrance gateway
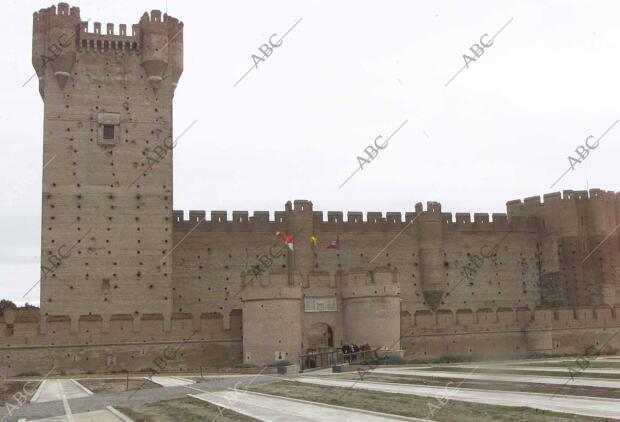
[(320, 338), (319, 350)]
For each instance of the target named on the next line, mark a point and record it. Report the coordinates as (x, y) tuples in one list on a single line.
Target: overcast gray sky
[(348, 72)]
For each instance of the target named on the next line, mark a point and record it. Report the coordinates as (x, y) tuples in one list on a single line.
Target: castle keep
[(125, 276)]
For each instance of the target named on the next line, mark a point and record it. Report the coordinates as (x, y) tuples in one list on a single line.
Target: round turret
[(371, 307), (430, 253), (271, 318), (162, 47)]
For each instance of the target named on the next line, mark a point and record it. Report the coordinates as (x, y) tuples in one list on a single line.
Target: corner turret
[(162, 47), (54, 42)]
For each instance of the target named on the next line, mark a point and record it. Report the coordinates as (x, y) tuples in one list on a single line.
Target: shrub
[(391, 360), (29, 374), (244, 365)]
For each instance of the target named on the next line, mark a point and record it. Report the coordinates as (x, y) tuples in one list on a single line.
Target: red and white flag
[(334, 244), (289, 241), (287, 238)]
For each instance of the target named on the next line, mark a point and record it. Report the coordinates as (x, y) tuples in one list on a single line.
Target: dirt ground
[(237, 371), (116, 385), (8, 388), (187, 409), (415, 406)]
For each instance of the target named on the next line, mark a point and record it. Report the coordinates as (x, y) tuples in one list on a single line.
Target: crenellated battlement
[(110, 30), (271, 285), (369, 276), (566, 196), (72, 329), (468, 320), (155, 23), (109, 41), (353, 220), (15, 324), (43, 16), (155, 17)]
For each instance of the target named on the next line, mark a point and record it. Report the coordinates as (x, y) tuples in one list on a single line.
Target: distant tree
[(29, 306), (6, 304)]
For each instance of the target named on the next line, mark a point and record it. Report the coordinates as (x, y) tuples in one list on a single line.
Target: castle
[(125, 276)]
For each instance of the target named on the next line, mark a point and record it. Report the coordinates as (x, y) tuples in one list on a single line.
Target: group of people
[(354, 352)]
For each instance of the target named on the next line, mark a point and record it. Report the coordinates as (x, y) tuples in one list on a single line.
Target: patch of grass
[(413, 406), (244, 366), (442, 359), (116, 385), (186, 409), (29, 374)]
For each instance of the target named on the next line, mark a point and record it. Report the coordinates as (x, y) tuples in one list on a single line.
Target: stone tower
[(272, 318), (107, 187), (579, 245), (431, 254), (371, 306)]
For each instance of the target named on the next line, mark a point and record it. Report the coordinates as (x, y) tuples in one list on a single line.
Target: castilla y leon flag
[(334, 244), (286, 238), (289, 241)]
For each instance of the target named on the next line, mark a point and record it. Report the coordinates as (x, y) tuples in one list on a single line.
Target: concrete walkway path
[(279, 409), (562, 359), (33, 411), (536, 379), (555, 369), (171, 381), (587, 406), (59, 389)]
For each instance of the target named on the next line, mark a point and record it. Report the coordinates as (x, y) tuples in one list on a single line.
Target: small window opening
[(108, 132)]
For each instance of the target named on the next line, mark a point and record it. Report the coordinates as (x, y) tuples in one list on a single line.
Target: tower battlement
[(571, 212), (59, 35), (369, 282), (155, 19), (270, 285), (44, 15)]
